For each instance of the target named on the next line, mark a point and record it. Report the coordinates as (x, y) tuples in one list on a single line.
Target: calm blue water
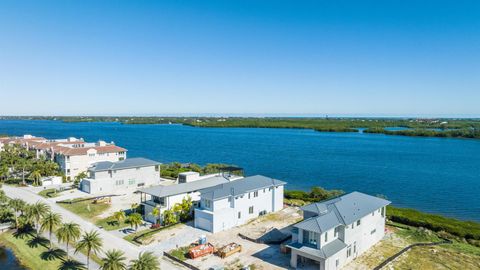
[(8, 260), (431, 174)]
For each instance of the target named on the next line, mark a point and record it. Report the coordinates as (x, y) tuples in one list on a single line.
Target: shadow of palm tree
[(71, 265), (53, 254), (38, 241), (21, 233)]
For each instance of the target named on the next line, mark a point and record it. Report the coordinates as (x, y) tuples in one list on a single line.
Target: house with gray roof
[(121, 177), (188, 185), (233, 203), (336, 231)]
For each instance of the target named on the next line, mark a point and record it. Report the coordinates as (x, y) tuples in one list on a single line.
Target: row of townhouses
[(73, 155)]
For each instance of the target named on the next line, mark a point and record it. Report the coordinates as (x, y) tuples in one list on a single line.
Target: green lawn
[(111, 224), (28, 256), (180, 253), (86, 209), (48, 193)]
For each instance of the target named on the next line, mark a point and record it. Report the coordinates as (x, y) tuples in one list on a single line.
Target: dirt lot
[(261, 255)]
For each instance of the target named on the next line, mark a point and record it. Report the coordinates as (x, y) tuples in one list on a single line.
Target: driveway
[(110, 241)]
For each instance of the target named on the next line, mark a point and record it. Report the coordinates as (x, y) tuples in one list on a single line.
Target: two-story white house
[(234, 203), (188, 185), (336, 231), (121, 177)]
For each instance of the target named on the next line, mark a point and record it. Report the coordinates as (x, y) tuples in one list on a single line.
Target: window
[(157, 168), (229, 199), (373, 214), (353, 225), (131, 181), (208, 203), (312, 238), (250, 210), (119, 182), (358, 222), (249, 195), (255, 194), (383, 211), (349, 251), (354, 247), (91, 155), (337, 262), (326, 236), (239, 215), (335, 232), (373, 231)]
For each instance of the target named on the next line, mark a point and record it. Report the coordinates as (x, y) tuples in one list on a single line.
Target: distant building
[(189, 184), (336, 231), (121, 176), (73, 155), (233, 203)]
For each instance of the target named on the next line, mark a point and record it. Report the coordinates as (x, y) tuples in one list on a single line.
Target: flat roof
[(175, 189), (123, 164)]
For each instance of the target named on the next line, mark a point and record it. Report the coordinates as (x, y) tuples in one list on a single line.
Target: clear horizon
[(258, 58)]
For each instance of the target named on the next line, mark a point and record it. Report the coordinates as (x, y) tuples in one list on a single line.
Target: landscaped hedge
[(465, 229)]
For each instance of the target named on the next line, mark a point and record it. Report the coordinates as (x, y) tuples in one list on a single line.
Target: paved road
[(110, 241)]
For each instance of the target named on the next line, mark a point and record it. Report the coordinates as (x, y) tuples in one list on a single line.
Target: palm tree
[(89, 242), (134, 207), (156, 213), (135, 220), (17, 205), (67, 233), (119, 216), (4, 172), (50, 222), (36, 212), (145, 261), (35, 175), (114, 260)]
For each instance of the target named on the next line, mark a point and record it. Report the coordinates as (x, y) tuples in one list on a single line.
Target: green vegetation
[(437, 223), (145, 261), (316, 194), (471, 133), (87, 209), (180, 253), (441, 127), (110, 223), (48, 193), (171, 170), (18, 165), (29, 255)]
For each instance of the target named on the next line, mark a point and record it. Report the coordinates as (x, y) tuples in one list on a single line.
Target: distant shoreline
[(414, 127)]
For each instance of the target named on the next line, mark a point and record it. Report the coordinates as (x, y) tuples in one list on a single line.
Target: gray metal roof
[(239, 187), (122, 164), (342, 210), (325, 252), (175, 189)]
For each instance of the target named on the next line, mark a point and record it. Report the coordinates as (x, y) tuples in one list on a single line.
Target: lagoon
[(436, 175)]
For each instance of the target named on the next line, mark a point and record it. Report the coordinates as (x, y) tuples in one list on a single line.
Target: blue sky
[(371, 58)]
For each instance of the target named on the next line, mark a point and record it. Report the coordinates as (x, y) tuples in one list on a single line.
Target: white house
[(189, 184), (336, 231), (75, 159), (122, 176), (234, 203)]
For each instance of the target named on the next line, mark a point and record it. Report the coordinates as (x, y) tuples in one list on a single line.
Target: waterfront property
[(73, 155), (233, 203), (189, 184), (336, 231), (121, 176)]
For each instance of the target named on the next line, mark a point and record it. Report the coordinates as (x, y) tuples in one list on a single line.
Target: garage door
[(86, 186), (203, 223)]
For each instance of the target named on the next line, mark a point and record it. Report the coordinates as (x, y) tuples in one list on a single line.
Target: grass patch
[(465, 229), (48, 193), (180, 253), (31, 257), (111, 224), (295, 202), (146, 235), (86, 209)]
